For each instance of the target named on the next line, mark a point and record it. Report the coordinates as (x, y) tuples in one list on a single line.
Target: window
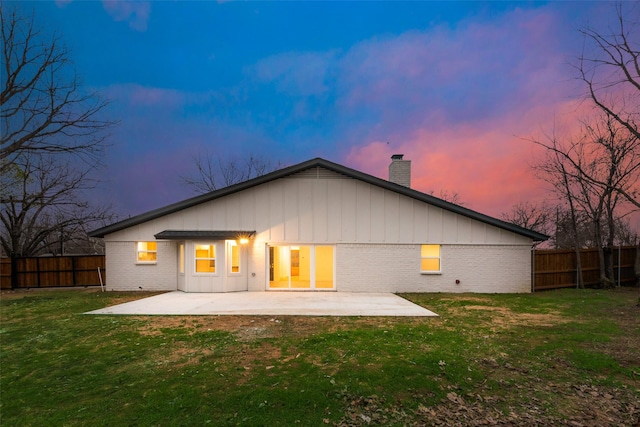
[(205, 258), (324, 267), (146, 252), (430, 258), (233, 255), (181, 258)]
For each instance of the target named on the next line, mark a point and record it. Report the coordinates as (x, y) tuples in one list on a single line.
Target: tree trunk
[(597, 237), (611, 226), (574, 226), (579, 279), (609, 276)]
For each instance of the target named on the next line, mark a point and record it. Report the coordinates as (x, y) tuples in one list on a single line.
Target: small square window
[(146, 252), (205, 258), (430, 259)]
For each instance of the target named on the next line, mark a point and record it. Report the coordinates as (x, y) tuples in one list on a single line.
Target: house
[(318, 226)]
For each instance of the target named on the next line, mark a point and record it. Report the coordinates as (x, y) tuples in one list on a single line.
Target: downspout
[(533, 269)]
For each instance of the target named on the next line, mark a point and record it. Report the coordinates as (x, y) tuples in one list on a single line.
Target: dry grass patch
[(505, 317)]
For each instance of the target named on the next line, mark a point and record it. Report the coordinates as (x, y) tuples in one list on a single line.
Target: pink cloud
[(487, 165), (135, 13), (459, 104)]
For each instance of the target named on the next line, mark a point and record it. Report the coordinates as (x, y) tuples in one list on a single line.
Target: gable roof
[(304, 166)]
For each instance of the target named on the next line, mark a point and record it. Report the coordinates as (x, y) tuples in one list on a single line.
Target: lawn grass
[(514, 358)]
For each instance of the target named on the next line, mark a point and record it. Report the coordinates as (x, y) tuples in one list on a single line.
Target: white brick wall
[(124, 274), (359, 268), (396, 268)]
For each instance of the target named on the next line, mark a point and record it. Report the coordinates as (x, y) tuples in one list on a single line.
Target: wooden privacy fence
[(554, 269), (54, 271)]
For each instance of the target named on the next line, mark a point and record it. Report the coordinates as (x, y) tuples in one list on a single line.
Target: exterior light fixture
[(243, 240)]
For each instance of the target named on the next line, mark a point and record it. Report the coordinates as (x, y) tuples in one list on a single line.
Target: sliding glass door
[(304, 267)]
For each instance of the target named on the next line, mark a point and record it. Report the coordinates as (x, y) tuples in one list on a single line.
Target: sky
[(457, 87)]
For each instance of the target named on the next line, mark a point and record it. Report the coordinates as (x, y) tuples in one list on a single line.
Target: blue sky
[(454, 86)]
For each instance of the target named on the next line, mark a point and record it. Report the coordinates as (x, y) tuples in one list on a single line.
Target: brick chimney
[(400, 170)]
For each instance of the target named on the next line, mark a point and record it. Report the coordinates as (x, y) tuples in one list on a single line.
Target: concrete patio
[(271, 303)]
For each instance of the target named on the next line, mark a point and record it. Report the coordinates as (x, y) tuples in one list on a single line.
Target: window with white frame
[(205, 257), (233, 256), (181, 258), (430, 261), (146, 252)]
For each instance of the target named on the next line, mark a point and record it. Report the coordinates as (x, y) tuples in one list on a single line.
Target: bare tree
[(42, 106), (536, 217), (214, 173), (610, 68), (451, 197), (572, 230), (586, 171), (43, 203), (52, 139), (553, 170), (43, 207)]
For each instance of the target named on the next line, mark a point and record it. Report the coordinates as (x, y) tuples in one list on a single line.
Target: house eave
[(317, 162)]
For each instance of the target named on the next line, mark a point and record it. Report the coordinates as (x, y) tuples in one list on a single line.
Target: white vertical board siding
[(435, 225), (248, 211), (376, 211), (320, 212), (363, 212), (396, 268), (262, 218), (464, 231), (391, 217), (420, 220), (377, 233), (124, 274), (307, 210), (406, 232), (349, 210), (290, 212), (233, 212), (276, 211), (335, 210)]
